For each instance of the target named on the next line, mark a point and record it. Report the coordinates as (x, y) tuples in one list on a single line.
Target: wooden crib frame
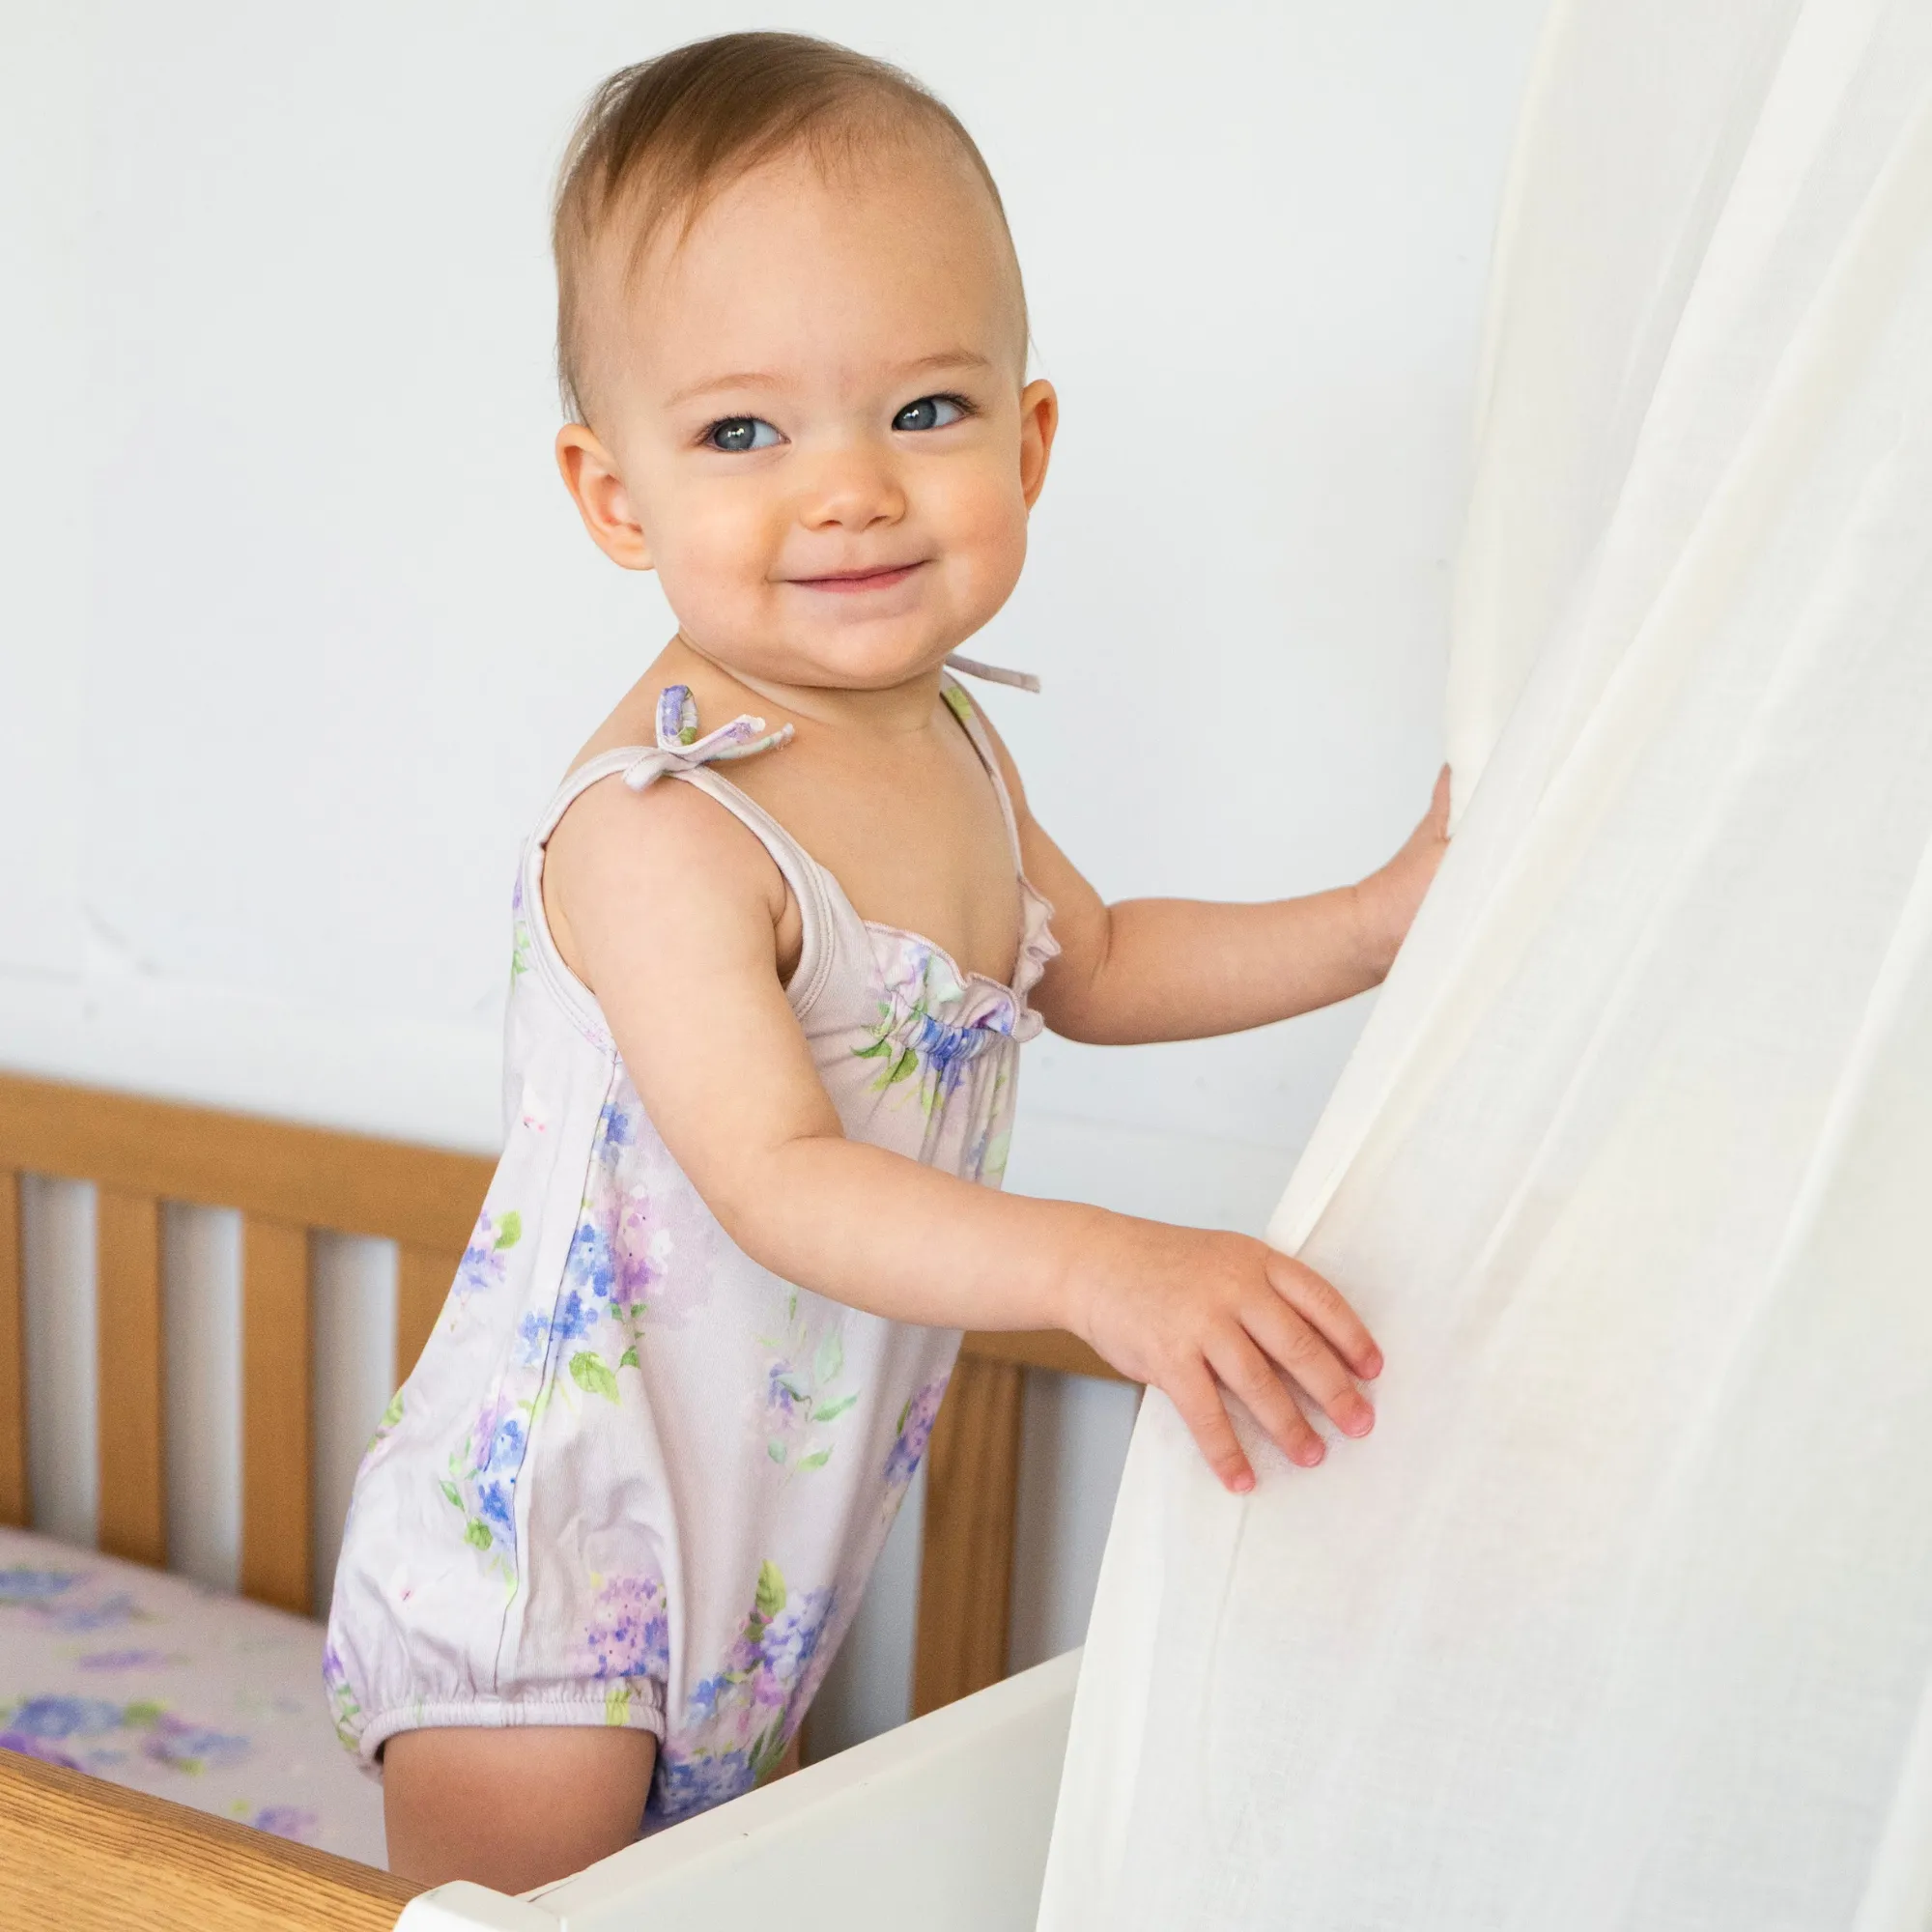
[(288, 1181)]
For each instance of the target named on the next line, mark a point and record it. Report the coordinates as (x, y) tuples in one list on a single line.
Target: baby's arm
[(670, 910), (1181, 969)]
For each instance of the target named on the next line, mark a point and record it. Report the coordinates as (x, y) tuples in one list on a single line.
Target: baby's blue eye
[(931, 412), (736, 433)]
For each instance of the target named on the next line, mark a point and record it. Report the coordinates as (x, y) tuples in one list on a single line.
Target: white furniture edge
[(943, 1823)]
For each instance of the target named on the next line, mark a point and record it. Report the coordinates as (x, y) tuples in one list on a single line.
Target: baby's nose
[(853, 488)]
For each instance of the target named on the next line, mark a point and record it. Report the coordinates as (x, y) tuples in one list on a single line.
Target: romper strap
[(592, 771), (962, 707), (678, 750), (1020, 680)]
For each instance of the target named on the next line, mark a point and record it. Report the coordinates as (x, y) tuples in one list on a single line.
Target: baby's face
[(813, 424)]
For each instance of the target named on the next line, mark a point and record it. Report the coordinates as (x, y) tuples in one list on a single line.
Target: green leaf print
[(476, 1534), (510, 1230), (776, 1450), (831, 1357), (771, 1596), (903, 1067), (818, 1458), (628, 1359), (617, 1704), (877, 1050), (143, 1715), (590, 1372), (449, 1493), (768, 1752), (393, 1414), (830, 1411)]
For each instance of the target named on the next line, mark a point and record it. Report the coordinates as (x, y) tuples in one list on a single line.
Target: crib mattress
[(157, 1683)]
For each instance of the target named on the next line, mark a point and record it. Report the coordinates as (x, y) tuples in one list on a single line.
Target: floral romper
[(636, 1478)]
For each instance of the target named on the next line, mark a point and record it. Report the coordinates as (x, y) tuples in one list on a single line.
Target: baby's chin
[(880, 655)]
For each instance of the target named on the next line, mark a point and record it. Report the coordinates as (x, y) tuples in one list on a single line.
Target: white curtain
[(1623, 1615)]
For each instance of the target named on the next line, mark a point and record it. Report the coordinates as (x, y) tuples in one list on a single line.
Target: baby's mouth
[(881, 578)]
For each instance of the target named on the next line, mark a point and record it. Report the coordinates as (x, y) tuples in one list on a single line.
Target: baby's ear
[(590, 474), (1039, 421)]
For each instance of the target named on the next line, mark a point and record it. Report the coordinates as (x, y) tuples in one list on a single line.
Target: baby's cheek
[(716, 568), (986, 538)]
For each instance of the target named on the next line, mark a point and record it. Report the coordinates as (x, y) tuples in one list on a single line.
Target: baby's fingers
[(1310, 1361), (1249, 1375), (1198, 1403), (1319, 1303)]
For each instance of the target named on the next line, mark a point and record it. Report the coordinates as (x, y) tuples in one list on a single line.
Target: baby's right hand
[(1195, 1312)]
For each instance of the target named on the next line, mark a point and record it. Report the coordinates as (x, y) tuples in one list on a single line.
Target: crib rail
[(82, 1855), (288, 1181)]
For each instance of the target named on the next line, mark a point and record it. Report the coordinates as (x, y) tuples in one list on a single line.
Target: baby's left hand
[(1390, 896)]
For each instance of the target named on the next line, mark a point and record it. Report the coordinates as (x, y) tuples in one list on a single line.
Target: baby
[(764, 1021)]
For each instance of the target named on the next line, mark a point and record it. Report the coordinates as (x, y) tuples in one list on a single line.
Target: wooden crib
[(76, 1851)]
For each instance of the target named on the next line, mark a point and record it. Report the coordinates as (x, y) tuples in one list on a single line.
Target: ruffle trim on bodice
[(926, 993)]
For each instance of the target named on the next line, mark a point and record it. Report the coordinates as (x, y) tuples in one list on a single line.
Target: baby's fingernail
[(1374, 1366), (1310, 1454), (1360, 1420), (1243, 1483)]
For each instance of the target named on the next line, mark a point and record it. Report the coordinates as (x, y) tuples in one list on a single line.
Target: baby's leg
[(512, 1807)]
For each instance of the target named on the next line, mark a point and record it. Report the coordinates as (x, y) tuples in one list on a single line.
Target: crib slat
[(277, 1426), (971, 1507), (422, 1285), (129, 1367), (15, 1502)]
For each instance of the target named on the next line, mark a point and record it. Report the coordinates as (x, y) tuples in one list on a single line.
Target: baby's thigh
[(514, 1806)]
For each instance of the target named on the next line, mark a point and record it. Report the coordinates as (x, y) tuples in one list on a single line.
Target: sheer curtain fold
[(1622, 1616)]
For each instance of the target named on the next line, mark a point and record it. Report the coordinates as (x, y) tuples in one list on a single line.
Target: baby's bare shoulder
[(670, 838), (625, 870)]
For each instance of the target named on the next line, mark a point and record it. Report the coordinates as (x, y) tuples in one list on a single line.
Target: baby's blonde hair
[(658, 140)]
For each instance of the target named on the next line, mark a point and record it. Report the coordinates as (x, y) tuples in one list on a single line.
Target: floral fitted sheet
[(159, 1684)]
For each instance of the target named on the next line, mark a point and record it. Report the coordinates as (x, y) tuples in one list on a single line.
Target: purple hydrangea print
[(616, 1129), (191, 1748), (50, 1718), (21, 1585), (288, 1821), (590, 1265), (915, 1431), (629, 1632), (483, 1265), (683, 1786), (742, 1717), (343, 1704)]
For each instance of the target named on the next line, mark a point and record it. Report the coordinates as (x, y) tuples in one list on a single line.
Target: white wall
[(297, 628)]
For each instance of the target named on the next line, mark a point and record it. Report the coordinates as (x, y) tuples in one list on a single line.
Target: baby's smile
[(847, 582)]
